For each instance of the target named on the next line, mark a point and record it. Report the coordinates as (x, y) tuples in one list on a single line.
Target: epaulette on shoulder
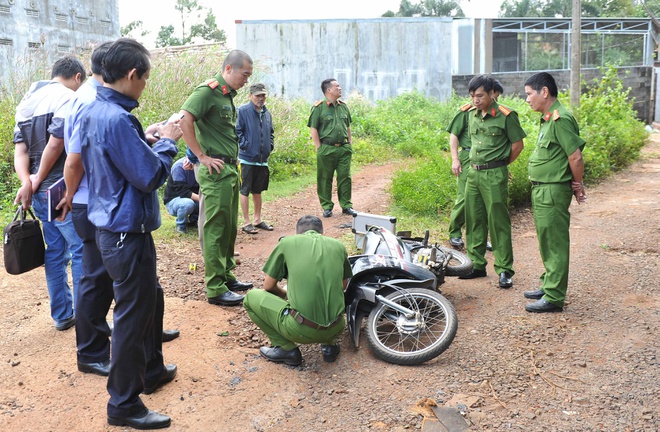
[(504, 110), (318, 103), (472, 108), (466, 107), (555, 115), (213, 84)]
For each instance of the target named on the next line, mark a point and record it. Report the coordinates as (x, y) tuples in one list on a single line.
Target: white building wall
[(379, 58)]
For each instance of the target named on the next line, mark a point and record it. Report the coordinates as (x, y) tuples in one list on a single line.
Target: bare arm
[(22, 167), (350, 136), (73, 173), (187, 124), (516, 149), (455, 161), (315, 137), (51, 153), (270, 285), (576, 163)]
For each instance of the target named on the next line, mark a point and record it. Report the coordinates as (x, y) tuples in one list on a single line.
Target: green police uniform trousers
[(550, 203), (221, 210), (457, 217), (270, 313), (487, 209), (328, 160)]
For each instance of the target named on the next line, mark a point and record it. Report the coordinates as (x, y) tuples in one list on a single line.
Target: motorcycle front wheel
[(459, 264), (403, 340)]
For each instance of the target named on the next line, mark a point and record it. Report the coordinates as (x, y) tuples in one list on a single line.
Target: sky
[(157, 13)]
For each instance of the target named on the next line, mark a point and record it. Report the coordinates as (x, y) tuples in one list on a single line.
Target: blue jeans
[(62, 244), (182, 208)]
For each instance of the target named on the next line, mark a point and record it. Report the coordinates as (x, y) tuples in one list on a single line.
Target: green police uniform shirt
[(212, 104), (315, 267), (491, 135), (459, 127), (331, 121), (559, 137)]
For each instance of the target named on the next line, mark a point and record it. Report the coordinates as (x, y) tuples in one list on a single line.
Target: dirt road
[(594, 367)]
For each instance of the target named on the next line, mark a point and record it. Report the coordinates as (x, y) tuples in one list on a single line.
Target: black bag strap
[(23, 214)]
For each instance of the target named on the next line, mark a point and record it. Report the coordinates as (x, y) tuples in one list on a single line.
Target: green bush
[(609, 126)]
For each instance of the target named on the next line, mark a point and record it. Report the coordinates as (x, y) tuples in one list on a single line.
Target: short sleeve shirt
[(315, 267), (559, 137), (212, 104), (492, 134), (459, 127), (331, 120)]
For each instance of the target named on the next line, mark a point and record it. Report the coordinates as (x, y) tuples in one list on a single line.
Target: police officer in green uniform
[(555, 169), (209, 129), (330, 127), (459, 137), (311, 309), (497, 140)]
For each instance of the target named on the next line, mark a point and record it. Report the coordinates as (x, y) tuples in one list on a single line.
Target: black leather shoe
[(167, 376), (474, 274), (505, 280), (99, 368), (170, 335), (456, 242), (278, 355), (489, 246), (349, 211), (534, 294), (227, 299), (542, 306), (236, 285), (145, 420), (327, 213), (330, 352)]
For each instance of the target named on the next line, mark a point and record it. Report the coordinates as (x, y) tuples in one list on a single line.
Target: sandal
[(249, 229), (264, 226)]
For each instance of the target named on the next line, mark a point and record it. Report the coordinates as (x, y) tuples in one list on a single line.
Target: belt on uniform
[(467, 148), (334, 144), (536, 183), (490, 165), (304, 321), (225, 159)]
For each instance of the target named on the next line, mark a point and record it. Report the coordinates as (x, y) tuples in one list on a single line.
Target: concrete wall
[(640, 80), (380, 58), (33, 30)]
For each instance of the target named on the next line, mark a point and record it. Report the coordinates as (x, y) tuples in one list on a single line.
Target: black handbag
[(23, 244)]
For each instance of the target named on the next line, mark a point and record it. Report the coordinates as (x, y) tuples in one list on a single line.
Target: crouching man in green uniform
[(496, 140), (310, 309), (555, 169)]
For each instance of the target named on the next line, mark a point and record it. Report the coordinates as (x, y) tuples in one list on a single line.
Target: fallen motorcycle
[(395, 285)]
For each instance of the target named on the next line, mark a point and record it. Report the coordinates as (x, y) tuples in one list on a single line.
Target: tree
[(563, 8), (133, 26), (190, 13), (427, 8)]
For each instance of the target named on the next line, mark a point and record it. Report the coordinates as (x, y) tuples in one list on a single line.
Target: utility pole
[(576, 48)]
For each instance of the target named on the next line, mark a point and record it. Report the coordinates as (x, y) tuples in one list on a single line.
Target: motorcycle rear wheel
[(396, 339), (459, 264)]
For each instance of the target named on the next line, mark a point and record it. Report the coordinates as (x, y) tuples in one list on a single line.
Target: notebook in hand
[(54, 194)]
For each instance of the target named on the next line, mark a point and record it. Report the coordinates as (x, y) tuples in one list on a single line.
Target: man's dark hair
[(543, 79), (497, 87), (236, 59), (484, 81), (307, 223), (325, 85), (97, 57), (122, 56), (68, 67)]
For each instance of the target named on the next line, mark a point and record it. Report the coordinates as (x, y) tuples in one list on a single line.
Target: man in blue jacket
[(124, 174), (255, 141)]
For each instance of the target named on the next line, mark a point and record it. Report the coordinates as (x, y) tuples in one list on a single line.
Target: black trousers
[(94, 295), (137, 356)]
